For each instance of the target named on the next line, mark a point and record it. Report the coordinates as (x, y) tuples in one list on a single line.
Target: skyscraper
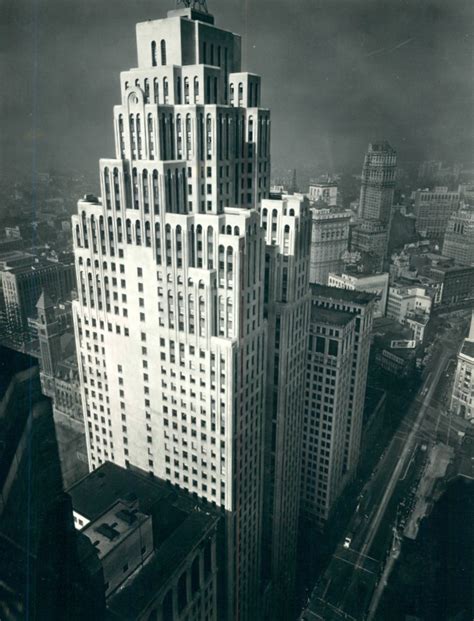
[(287, 226), (372, 233), (336, 378), (170, 266), (378, 183)]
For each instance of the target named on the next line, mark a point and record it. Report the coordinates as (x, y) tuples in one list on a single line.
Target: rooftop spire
[(197, 5)]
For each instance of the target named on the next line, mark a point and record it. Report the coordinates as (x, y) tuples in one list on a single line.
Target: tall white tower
[(170, 267)]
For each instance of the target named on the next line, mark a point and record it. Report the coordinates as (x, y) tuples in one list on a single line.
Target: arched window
[(178, 90), (156, 203), (163, 51), (154, 60), (241, 93), (119, 230), (147, 90), (146, 194), (121, 138), (158, 242), (78, 236), (151, 136), (128, 226), (138, 233), (165, 90), (147, 234), (210, 248), (156, 89), (186, 90), (189, 146), (196, 90), (236, 230)]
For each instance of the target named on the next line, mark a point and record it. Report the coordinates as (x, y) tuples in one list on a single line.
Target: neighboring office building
[(330, 357), (22, 283), (403, 300), (158, 546), (462, 399), (394, 348), (60, 381), (456, 284), (459, 237), (371, 283), (335, 392), (370, 238), (329, 241), (324, 191), (170, 281), (287, 226), (432, 209), (44, 573)]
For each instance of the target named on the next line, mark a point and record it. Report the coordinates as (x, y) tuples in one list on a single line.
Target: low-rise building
[(403, 300), (157, 545), (370, 283)]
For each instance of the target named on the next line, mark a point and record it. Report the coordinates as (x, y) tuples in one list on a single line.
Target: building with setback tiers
[(169, 323), (376, 199), (336, 378), (287, 227)]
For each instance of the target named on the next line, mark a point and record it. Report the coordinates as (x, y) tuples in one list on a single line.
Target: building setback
[(169, 323), (287, 227), (336, 378)]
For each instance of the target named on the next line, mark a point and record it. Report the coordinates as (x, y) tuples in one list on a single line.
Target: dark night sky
[(336, 74)]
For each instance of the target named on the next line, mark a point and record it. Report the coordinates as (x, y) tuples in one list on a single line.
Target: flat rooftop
[(468, 348), (344, 295), (179, 521), (330, 316)]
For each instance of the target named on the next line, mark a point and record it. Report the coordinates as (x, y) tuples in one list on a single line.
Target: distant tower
[(294, 183), (48, 335), (378, 183)]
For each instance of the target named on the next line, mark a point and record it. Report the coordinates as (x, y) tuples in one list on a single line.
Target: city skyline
[(397, 71), (229, 390)]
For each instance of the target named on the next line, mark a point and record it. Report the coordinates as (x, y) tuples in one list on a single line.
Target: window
[(153, 54), (163, 52)]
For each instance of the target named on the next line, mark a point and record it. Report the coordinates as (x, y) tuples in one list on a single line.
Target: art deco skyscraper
[(170, 266)]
